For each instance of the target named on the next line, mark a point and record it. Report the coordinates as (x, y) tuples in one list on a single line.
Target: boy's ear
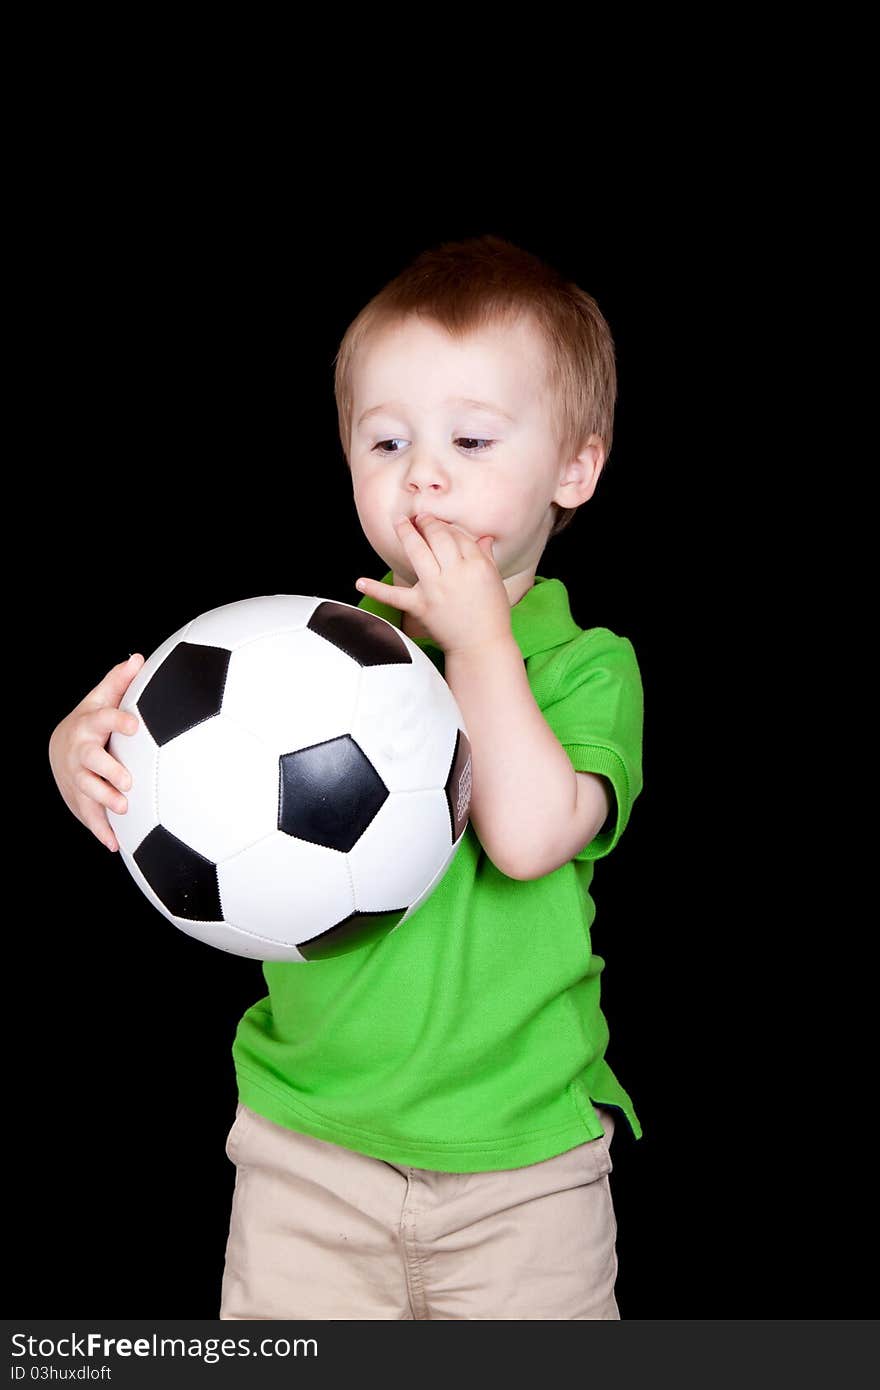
[(579, 477)]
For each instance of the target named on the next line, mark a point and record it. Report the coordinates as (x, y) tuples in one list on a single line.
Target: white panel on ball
[(405, 722), (218, 788), (322, 897), (293, 689), (234, 624), (417, 825)]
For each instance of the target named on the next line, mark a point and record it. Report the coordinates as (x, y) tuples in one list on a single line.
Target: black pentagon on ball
[(459, 785), (329, 793), (359, 929), (186, 690), (363, 636), (184, 880)]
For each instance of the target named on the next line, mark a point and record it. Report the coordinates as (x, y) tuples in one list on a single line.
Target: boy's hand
[(460, 596), (78, 758)]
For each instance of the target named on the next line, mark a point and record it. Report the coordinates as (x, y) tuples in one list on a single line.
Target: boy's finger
[(109, 719), (439, 538), (99, 761), (97, 822), (111, 689), (95, 789), (411, 536), (393, 594)]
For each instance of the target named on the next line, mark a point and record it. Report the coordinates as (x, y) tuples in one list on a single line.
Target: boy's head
[(476, 321)]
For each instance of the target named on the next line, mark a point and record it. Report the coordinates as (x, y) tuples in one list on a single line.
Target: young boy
[(424, 1124)]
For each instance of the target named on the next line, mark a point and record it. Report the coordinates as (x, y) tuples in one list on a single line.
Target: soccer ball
[(301, 778)]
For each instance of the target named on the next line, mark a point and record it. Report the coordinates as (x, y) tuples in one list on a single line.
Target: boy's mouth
[(449, 522), (434, 517)]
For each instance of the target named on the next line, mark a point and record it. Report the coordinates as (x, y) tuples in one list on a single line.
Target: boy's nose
[(422, 493), (425, 470)]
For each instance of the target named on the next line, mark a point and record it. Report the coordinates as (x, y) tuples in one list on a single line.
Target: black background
[(183, 453)]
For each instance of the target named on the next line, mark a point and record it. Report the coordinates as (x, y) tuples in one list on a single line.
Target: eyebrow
[(486, 406)]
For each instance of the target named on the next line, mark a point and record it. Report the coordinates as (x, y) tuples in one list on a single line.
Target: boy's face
[(427, 451)]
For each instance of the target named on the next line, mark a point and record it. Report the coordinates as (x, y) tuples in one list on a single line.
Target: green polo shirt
[(471, 1038)]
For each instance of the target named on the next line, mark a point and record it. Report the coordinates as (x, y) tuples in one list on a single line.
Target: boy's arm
[(531, 810)]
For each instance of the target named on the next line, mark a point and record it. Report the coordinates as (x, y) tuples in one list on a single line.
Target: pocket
[(234, 1135), (608, 1118), (595, 1154)]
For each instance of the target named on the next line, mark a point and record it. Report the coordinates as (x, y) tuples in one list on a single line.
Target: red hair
[(467, 285)]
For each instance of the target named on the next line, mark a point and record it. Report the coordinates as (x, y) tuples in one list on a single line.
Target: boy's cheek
[(373, 501), (376, 526)]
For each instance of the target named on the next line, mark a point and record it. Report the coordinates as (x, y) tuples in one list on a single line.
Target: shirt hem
[(440, 1156)]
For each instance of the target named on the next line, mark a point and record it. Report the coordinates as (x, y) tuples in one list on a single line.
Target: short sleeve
[(595, 708)]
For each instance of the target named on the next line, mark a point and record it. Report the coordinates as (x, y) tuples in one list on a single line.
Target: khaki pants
[(320, 1231)]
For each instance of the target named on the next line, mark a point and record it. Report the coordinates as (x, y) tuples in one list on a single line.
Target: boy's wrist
[(484, 651)]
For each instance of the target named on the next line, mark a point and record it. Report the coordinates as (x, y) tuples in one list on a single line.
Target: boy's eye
[(463, 439)]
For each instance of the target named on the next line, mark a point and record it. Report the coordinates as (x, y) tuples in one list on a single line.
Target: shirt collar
[(540, 620)]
